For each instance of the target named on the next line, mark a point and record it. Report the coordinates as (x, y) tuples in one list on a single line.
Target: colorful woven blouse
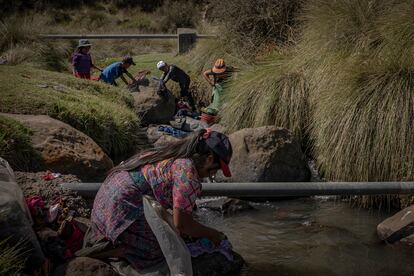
[(118, 214)]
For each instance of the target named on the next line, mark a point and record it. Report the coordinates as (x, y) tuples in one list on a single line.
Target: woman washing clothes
[(171, 174)]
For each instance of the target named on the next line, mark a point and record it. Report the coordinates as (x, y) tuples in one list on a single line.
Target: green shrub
[(249, 25), (178, 14)]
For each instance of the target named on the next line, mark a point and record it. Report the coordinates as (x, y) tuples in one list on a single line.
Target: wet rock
[(225, 205), (151, 108), (216, 264), (85, 266), (266, 154), (398, 228), (64, 149)]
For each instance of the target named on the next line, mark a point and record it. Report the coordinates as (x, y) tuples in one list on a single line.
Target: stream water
[(311, 236)]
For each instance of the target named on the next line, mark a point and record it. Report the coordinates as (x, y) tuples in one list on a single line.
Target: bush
[(178, 14), (16, 31), (146, 5), (249, 25)]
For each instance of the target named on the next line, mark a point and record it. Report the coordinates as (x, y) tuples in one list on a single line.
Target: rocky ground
[(34, 184)]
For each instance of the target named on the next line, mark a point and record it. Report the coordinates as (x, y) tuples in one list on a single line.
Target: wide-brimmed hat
[(221, 146), (84, 43), (219, 66), (129, 60)]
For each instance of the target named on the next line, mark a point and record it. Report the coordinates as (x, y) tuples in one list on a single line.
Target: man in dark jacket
[(171, 71)]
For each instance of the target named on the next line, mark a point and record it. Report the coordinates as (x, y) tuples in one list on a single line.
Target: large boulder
[(398, 228), (151, 108), (85, 266), (64, 149), (266, 154)]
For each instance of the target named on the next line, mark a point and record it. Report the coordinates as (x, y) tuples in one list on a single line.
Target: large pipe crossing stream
[(278, 189)]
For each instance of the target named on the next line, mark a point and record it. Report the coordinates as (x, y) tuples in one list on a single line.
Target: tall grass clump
[(271, 93), (15, 144), (12, 258), (16, 31), (361, 93)]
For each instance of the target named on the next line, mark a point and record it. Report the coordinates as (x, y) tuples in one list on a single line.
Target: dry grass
[(12, 258), (268, 94)]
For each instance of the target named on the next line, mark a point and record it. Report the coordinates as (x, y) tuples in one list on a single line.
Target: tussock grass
[(15, 144), (268, 94), (100, 111), (361, 93), (12, 258)]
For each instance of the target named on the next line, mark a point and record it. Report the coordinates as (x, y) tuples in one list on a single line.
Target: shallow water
[(311, 236)]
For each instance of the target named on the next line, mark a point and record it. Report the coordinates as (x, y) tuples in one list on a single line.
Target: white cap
[(161, 64)]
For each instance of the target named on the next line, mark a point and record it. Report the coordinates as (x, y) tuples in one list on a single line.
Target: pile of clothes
[(59, 230)]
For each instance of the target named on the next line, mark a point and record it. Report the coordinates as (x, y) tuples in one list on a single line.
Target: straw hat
[(219, 66)]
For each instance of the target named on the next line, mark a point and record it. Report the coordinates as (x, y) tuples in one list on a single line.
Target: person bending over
[(117, 70), (172, 175), (173, 72)]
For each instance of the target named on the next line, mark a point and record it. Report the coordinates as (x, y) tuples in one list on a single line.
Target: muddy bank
[(34, 184)]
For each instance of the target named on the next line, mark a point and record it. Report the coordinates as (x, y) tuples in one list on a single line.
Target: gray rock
[(151, 108), (266, 154), (65, 149), (398, 228), (153, 134)]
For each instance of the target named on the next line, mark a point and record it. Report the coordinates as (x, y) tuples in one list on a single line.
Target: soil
[(50, 190)]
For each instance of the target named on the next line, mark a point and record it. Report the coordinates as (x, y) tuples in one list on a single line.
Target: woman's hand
[(185, 224)]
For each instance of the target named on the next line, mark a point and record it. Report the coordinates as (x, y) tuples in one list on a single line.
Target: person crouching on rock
[(82, 60), (173, 72), (170, 174), (117, 70)]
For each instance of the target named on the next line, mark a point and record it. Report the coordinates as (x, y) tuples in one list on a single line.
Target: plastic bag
[(172, 246)]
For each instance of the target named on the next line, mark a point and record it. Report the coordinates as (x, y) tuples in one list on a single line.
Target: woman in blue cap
[(172, 175)]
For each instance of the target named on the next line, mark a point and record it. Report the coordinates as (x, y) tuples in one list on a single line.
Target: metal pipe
[(118, 36), (279, 189)]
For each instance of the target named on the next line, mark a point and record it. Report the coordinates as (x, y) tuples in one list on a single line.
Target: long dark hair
[(193, 147)]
